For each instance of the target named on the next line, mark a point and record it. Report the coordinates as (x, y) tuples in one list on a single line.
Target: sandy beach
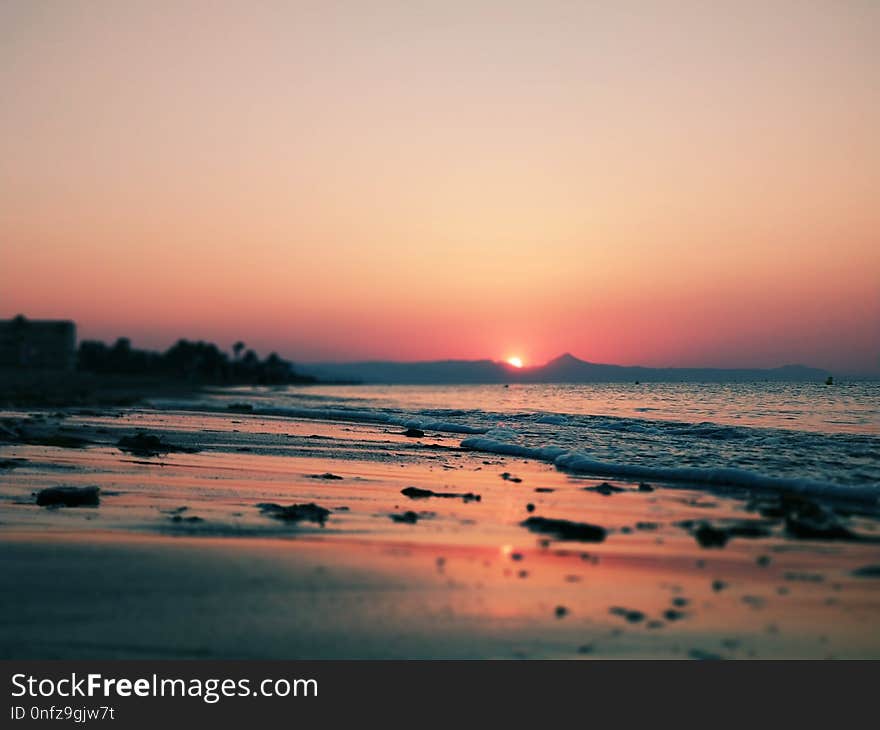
[(194, 550)]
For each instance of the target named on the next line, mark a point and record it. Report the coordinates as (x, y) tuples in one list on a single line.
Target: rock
[(826, 527), (645, 487), (718, 585), (146, 444), (175, 511), (69, 497), (326, 475), (12, 463), (296, 512), (409, 517), (413, 433), (565, 529), (605, 489), (417, 493), (530, 507), (868, 571), (709, 537), (192, 519), (630, 615), (508, 477), (561, 612)]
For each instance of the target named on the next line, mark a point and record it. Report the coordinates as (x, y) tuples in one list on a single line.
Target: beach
[(405, 543)]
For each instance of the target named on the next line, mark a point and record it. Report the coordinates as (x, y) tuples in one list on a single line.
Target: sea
[(800, 437)]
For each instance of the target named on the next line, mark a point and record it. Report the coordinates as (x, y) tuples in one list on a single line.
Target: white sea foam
[(338, 414), (720, 476), (362, 416)]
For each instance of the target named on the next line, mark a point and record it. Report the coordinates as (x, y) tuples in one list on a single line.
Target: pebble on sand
[(69, 497)]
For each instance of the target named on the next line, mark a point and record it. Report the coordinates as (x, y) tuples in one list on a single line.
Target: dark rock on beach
[(145, 444), (69, 497), (409, 517), (413, 433), (823, 527), (296, 512), (12, 463), (630, 615), (605, 489), (326, 475), (710, 536), (673, 614), (417, 493), (868, 571), (565, 529)]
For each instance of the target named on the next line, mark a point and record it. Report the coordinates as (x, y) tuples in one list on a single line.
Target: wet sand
[(178, 560)]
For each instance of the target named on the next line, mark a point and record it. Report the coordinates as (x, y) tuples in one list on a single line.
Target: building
[(38, 344)]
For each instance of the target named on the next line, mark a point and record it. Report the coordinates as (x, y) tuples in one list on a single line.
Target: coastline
[(179, 559)]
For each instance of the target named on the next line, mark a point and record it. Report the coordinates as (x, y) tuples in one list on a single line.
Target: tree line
[(202, 361)]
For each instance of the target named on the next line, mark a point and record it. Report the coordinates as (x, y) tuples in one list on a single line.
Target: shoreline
[(180, 548)]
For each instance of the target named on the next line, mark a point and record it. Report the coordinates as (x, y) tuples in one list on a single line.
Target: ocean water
[(793, 436)]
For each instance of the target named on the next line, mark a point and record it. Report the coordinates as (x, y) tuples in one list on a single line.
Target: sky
[(655, 183)]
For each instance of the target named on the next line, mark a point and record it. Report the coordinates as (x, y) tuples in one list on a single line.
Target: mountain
[(563, 369)]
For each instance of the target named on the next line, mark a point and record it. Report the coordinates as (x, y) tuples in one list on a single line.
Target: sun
[(515, 362)]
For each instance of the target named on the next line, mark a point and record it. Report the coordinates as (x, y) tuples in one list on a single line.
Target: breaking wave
[(638, 447), (720, 476)]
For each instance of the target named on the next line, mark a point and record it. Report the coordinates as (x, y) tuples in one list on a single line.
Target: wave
[(340, 414), (572, 461), (842, 465)]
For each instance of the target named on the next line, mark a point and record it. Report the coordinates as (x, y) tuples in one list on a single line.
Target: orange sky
[(661, 183)]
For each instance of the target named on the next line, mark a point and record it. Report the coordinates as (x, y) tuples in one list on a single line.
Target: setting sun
[(515, 362)]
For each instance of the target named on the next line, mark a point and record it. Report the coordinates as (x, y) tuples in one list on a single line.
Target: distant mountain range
[(563, 369)]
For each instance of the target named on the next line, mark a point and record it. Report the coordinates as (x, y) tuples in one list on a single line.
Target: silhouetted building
[(37, 343)]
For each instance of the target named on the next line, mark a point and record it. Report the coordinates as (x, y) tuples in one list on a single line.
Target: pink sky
[(641, 183)]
